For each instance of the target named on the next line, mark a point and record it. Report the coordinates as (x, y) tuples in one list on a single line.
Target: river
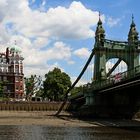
[(44, 132)]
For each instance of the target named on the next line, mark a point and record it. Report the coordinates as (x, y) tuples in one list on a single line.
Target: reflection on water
[(34, 132)]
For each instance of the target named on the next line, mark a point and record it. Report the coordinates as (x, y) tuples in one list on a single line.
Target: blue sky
[(56, 33)]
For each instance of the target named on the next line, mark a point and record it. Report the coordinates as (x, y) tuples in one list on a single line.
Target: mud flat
[(64, 119), (40, 118)]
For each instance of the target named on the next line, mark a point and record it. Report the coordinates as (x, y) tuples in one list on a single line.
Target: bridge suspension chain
[(76, 81)]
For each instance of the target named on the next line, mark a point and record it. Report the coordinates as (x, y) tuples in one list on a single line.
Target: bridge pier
[(89, 99)]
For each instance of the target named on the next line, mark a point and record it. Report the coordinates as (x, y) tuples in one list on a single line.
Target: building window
[(4, 61), (4, 69), (16, 79), (21, 69), (5, 88), (12, 69), (16, 70), (4, 78), (21, 79), (17, 87), (16, 62)]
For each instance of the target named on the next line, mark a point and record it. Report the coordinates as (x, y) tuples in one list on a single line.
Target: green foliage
[(56, 84), (40, 92), (76, 90), (32, 85), (2, 94), (1, 89)]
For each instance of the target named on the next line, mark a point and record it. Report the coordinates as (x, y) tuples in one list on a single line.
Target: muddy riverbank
[(64, 119)]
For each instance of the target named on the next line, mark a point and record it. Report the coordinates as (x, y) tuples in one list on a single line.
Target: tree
[(76, 90), (32, 85), (56, 84), (1, 89)]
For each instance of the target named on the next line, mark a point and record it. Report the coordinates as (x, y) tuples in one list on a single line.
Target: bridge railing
[(113, 79)]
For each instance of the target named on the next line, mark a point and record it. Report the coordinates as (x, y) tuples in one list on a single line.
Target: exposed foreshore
[(40, 118), (64, 119)]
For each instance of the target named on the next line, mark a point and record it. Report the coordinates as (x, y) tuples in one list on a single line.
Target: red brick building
[(11, 72)]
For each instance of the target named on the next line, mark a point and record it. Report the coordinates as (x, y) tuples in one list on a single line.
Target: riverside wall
[(33, 106)]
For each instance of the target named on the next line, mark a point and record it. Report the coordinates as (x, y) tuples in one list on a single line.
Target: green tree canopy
[(32, 85), (76, 90), (56, 84), (1, 88)]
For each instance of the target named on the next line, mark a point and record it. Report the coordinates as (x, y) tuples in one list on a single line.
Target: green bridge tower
[(104, 50)]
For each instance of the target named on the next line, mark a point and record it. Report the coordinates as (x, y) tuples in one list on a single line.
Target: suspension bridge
[(113, 87)]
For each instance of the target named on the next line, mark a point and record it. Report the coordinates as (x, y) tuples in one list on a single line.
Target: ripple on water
[(38, 132)]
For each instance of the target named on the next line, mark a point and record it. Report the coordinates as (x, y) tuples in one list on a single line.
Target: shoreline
[(65, 119), (40, 118)]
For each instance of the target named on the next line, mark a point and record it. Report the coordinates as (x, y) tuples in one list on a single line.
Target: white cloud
[(42, 6), (42, 70), (59, 51), (80, 83), (36, 60), (4, 36), (90, 67), (71, 62), (3, 4), (43, 2), (32, 1), (40, 42), (72, 22), (113, 21), (82, 53), (34, 31)]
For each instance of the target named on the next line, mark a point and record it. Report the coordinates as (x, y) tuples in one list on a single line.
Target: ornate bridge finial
[(99, 22), (99, 14), (132, 24), (132, 17)]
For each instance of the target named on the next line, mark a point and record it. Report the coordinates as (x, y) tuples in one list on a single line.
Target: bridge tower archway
[(104, 49), (122, 67)]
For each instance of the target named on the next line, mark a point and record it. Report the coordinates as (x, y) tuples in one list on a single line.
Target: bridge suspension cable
[(88, 74), (76, 81)]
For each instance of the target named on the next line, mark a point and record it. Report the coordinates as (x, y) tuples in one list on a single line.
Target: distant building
[(11, 72)]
